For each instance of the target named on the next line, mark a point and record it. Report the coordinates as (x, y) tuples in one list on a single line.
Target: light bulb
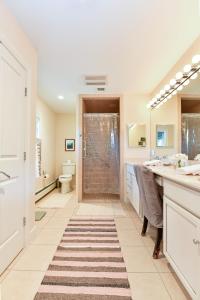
[(172, 82), (153, 100), (159, 105), (187, 68), (167, 87), (60, 97), (169, 97), (196, 59), (162, 92), (179, 75), (174, 93), (180, 88), (194, 76), (186, 82)]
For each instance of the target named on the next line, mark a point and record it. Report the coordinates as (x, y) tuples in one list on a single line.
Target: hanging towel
[(194, 169), (155, 162)]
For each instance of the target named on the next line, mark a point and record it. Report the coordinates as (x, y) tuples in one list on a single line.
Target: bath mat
[(39, 215), (55, 200), (88, 264)]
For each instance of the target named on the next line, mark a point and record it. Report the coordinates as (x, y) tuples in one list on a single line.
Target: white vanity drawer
[(185, 197), (181, 230)]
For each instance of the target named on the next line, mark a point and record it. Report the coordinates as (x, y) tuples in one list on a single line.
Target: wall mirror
[(165, 136), (175, 125), (137, 135)]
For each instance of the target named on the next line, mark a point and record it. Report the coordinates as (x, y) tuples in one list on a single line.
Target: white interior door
[(12, 145)]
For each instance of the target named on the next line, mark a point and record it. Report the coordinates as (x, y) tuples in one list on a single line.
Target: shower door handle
[(85, 149)]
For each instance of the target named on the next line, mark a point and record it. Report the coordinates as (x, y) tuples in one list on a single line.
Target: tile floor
[(149, 279)]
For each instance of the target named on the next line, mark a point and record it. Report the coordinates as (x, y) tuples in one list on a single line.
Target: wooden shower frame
[(79, 135)]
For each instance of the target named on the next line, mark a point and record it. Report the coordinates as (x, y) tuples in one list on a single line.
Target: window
[(38, 160)]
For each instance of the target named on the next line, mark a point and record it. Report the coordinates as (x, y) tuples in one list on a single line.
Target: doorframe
[(79, 135), (180, 97), (29, 230)]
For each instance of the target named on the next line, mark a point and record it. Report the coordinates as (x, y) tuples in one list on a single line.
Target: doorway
[(100, 151), (190, 127)]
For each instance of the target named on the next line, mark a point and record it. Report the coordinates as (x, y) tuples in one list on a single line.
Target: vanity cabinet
[(182, 237), (132, 190)]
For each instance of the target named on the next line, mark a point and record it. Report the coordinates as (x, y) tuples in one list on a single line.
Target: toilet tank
[(69, 168)]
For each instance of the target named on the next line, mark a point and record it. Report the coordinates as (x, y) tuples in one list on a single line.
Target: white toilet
[(65, 179)]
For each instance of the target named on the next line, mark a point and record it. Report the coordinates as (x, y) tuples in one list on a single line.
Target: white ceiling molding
[(190, 72)]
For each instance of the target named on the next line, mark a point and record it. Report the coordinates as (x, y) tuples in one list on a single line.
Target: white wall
[(19, 43), (168, 113), (65, 129), (135, 111), (48, 142)]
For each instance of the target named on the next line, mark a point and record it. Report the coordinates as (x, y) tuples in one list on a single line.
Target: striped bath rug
[(88, 264)]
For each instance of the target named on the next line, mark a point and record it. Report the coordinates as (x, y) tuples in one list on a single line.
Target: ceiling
[(133, 42)]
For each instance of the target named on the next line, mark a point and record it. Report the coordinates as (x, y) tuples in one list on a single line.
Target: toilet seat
[(65, 177)]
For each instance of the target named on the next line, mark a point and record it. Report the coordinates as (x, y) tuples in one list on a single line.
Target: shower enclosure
[(191, 134), (101, 159)]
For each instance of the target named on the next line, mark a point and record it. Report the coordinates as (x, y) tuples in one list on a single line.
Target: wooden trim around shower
[(79, 129)]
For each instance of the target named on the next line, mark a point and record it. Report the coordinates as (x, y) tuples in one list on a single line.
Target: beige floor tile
[(149, 241), (17, 258), (162, 265), (174, 287), (65, 213), (35, 258), (49, 215), (118, 210), (55, 200), (57, 222), (137, 259), (124, 223), (48, 237), (95, 209), (138, 224), (147, 286), (21, 285), (130, 238)]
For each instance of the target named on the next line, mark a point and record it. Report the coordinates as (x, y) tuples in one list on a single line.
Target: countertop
[(169, 172)]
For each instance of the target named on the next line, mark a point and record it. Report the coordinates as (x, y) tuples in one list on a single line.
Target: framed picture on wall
[(69, 144)]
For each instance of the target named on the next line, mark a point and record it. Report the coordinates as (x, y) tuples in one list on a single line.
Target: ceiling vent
[(99, 81), (101, 89)]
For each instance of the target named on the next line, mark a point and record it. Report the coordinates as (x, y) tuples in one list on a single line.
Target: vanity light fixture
[(182, 79)]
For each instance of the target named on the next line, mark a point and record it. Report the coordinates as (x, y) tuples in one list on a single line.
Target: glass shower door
[(191, 134), (101, 154)]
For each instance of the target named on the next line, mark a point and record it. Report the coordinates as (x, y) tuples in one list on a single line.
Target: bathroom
[(54, 131), (98, 115)]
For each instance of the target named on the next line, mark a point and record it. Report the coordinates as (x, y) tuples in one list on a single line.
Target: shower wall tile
[(101, 158)]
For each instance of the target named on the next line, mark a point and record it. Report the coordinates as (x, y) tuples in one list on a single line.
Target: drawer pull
[(196, 242)]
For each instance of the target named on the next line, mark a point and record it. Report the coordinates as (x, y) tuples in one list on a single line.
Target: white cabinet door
[(181, 245), (132, 190), (135, 195), (12, 117)]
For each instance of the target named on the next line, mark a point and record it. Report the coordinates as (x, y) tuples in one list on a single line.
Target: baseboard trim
[(46, 190)]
